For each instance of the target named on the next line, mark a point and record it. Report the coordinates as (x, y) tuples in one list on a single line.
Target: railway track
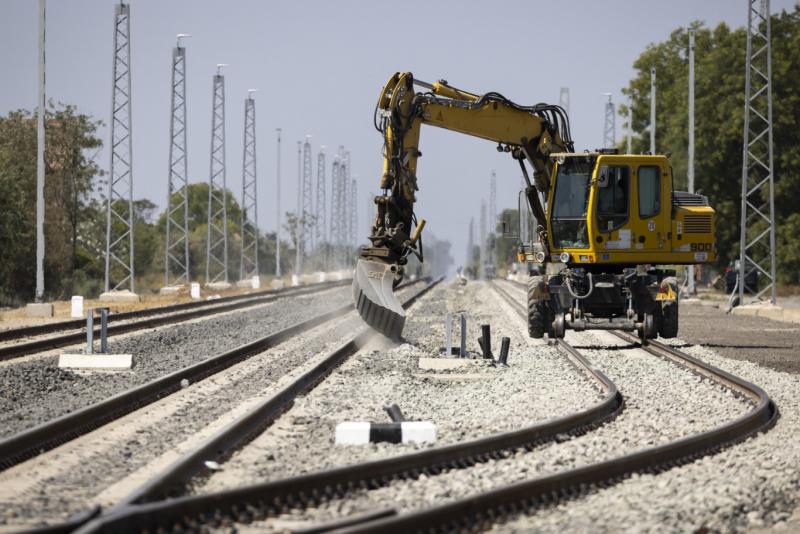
[(139, 320), (250, 423), (247, 503), (484, 509), (31, 442)]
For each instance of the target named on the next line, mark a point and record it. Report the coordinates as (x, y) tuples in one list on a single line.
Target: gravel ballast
[(663, 403), (466, 403), (36, 390)]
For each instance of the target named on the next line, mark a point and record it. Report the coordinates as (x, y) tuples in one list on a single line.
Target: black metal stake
[(395, 414), (486, 345), (504, 350), (103, 330)]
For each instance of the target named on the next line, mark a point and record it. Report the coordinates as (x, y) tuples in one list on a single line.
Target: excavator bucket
[(373, 294)]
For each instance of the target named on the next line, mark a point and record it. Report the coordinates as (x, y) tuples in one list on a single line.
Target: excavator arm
[(528, 133)]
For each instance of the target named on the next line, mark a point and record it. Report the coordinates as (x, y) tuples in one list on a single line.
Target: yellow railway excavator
[(602, 223)]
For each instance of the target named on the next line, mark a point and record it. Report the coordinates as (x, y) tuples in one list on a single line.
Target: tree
[(69, 182), (719, 108)]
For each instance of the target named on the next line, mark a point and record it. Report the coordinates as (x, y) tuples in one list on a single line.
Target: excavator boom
[(527, 133)]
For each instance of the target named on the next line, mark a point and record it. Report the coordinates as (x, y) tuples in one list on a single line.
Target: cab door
[(650, 216)]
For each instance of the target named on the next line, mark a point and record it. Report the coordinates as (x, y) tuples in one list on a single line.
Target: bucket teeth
[(373, 295)]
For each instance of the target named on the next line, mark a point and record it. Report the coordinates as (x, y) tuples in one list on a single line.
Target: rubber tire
[(537, 310), (669, 320)]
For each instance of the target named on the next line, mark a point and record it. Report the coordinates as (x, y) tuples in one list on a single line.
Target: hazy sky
[(319, 67)]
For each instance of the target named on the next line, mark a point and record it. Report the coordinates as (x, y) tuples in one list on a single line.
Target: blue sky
[(319, 67)]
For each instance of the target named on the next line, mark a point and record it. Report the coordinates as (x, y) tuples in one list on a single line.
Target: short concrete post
[(449, 334), (103, 330), (256, 282), (463, 348), (76, 311), (90, 332), (195, 290)]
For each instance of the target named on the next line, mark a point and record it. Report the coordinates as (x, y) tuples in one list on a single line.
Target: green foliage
[(719, 111)]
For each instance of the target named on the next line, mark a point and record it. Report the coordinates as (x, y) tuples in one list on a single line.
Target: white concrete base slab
[(95, 361), (320, 277), (439, 364), (173, 290), (277, 284), (219, 286), (244, 283), (39, 309), (120, 296)]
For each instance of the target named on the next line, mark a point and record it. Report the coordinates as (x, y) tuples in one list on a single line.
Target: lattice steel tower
[(217, 242), (119, 213), (493, 216), (321, 234), (176, 268), (610, 124), (482, 233), (336, 221), (353, 212), (347, 232), (249, 260), (308, 199), (757, 238)]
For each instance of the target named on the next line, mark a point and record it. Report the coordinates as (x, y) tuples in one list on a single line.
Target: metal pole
[(40, 161), (630, 122), (298, 228), (278, 207), (690, 167), (652, 110)]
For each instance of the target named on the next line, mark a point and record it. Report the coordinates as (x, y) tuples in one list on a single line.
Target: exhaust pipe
[(374, 298)]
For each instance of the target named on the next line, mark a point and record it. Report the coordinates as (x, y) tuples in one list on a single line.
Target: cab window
[(649, 182), (613, 182)]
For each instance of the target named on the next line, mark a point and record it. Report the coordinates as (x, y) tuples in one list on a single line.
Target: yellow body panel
[(674, 235)]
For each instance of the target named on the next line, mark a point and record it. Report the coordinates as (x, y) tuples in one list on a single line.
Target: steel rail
[(32, 442), (195, 310), (248, 502), (483, 509)]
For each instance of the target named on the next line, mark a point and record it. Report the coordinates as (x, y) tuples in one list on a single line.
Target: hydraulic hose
[(575, 295)]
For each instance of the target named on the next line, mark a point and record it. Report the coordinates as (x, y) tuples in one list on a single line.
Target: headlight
[(539, 257), (565, 257)]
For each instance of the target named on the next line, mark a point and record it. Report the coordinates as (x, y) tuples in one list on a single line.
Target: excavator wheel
[(538, 319)]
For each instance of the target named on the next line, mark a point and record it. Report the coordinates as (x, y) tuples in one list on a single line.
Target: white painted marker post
[(76, 311), (195, 290)]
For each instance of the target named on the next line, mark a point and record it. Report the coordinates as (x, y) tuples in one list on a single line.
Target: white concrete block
[(352, 433), (76, 309), (219, 286), (39, 309), (195, 290), (438, 364), (120, 296), (95, 361), (256, 282), (418, 432), (295, 280), (320, 277)]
